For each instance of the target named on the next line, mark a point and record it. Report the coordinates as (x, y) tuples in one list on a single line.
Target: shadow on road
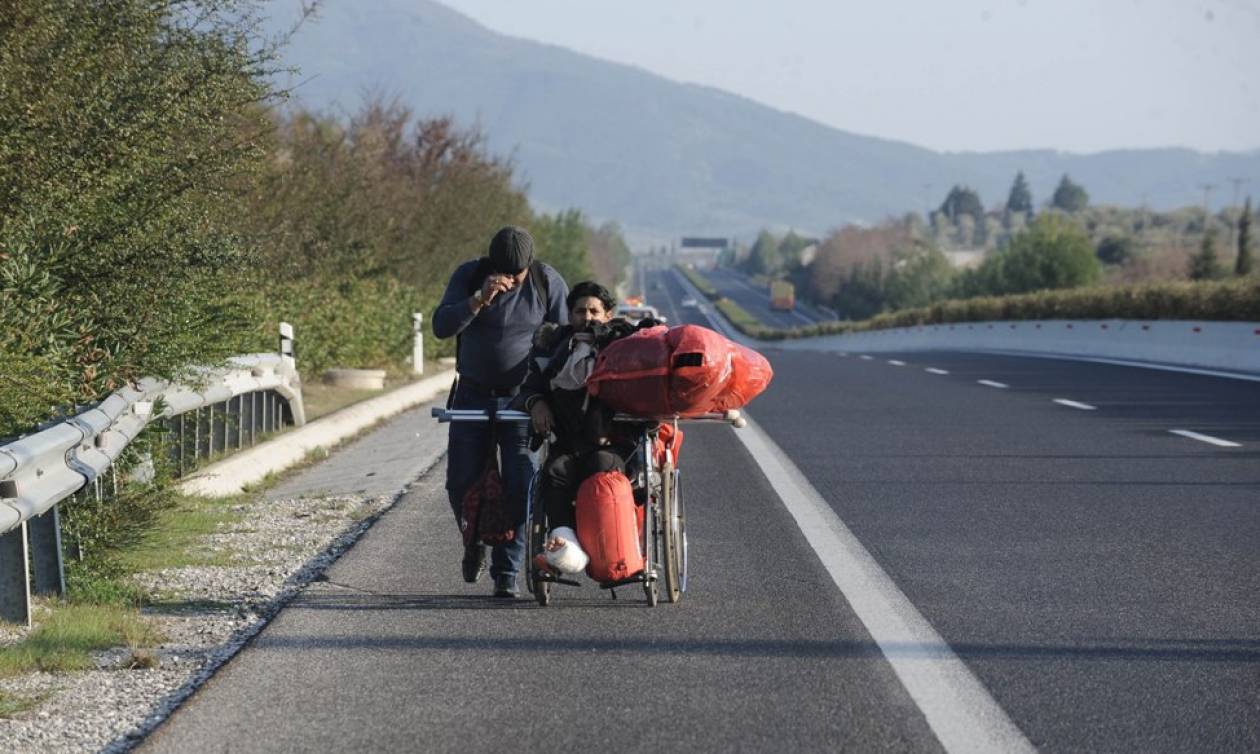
[(1140, 650), (366, 601)]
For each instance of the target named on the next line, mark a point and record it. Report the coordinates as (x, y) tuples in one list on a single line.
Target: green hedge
[(362, 324), (699, 281), (1231, 300)]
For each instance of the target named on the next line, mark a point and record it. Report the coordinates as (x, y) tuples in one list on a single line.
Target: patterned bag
[(485, 516)]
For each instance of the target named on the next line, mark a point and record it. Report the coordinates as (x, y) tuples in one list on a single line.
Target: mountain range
[(666, 158)]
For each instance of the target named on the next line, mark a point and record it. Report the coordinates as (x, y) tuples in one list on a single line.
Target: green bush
[(344, 322), (126, 127)]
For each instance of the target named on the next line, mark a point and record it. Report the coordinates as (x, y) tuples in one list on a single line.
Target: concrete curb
[(1228, 346), (229, 476)]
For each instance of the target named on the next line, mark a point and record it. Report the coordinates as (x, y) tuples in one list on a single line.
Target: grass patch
[(699, 281), (12, 705), (319, 399), (65, 640), (740, 318), (175, 542)]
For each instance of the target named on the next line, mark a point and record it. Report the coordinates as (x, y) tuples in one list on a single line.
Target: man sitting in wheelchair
[(584, 439)]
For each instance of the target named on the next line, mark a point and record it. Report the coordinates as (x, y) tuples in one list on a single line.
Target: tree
[(129, 127), (1020, 198), (764, 259), (1204, 265), (792, 245), (921, 275), (1069, 196), (962, 200), (560, 241), (1243, 263), (1053, 252), (1115, 249)]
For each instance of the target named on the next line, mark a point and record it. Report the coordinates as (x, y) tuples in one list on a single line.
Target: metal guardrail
[(218, 410)]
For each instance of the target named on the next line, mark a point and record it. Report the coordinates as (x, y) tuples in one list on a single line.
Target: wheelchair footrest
[(552, 578), (638, 578)]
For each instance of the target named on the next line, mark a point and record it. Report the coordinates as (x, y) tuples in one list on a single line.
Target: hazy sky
[(1077, 75)]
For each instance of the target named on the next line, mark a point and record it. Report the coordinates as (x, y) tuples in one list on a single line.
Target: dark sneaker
[(474, 562), (505, 586)]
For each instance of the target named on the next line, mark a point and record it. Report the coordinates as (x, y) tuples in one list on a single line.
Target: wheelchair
[(657, 483)]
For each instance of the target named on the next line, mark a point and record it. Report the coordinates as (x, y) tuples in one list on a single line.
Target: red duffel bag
[(632, 374), (750, 375), (607, 526), (685, 370), (700, 366)]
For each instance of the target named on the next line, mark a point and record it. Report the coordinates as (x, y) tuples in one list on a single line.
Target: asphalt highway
[(1097, 575), (756, 300)]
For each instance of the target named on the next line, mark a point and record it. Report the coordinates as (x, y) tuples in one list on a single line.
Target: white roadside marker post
[(417, 348)]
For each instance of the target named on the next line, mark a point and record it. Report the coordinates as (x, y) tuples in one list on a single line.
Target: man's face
[(515, 279), (587, 311)]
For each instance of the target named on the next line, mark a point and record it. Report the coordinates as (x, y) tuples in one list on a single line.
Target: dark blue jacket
[(494, 343)]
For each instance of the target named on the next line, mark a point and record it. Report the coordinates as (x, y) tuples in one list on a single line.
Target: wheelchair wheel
[(535, 534), (675, 535)]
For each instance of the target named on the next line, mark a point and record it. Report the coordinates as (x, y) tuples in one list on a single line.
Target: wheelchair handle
[(445, 415)]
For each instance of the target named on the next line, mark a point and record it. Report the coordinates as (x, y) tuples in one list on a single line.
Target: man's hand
[(541, 417), (496, 284)]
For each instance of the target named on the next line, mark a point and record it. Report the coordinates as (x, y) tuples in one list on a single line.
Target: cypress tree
[(1020, 198), (1243, 263), (1204, 265)]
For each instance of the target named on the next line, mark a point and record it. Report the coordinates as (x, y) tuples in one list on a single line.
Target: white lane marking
[(866, 357), (1205, 438), (896, 363), (1075, 404), (991, 383), (958, 708), (934, 370), (1127, 363)]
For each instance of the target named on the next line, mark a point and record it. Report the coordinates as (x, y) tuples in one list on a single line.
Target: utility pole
[(1207, 200), (1233, 226)]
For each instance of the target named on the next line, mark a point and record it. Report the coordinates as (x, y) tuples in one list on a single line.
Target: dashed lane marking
[(957, 706), (1075, 404), (991, 383), (866, 357), (896, 363), (1206, 438), (934, 370)]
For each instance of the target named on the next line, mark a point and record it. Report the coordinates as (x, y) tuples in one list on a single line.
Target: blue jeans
[(466, 458)]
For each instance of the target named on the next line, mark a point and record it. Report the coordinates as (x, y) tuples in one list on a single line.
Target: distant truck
[(782, 296)]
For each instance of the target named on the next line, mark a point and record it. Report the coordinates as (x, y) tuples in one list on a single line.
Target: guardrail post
[(417, 349), (253, 417), (44, 535), (15, 585), (218, 428), (286, 343)]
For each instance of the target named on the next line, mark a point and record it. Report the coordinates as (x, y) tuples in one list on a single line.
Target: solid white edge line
[(991, 383), (958, 708), (1074, 404), (1206, 438), (934, 370)]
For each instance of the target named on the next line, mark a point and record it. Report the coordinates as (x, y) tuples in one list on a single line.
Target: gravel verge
[(206, 614)]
